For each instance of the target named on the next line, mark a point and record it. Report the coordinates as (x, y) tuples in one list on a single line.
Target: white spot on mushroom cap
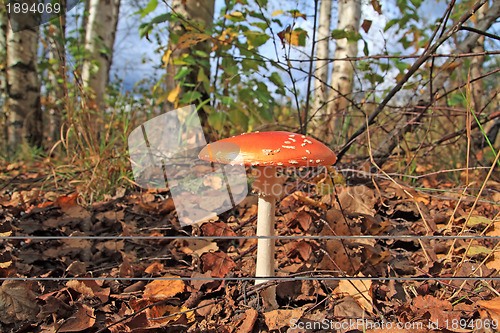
[(307, 151), (279, 163), (303, 144), (293, 140), (305, 140), (293, 162), (289, 147), (288, 142)]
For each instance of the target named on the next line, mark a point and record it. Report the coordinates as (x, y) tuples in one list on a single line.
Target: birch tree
[(322, 54), (349, 16), (24, 119), (99, 41), (56, 92), (3, 79)]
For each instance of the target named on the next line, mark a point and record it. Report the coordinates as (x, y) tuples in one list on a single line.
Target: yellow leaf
[(190, 39), (234, 14), (161, 289), (166, 58), (174, 93), (277, 12)]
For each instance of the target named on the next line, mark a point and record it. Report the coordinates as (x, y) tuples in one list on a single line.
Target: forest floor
[(123, 264)]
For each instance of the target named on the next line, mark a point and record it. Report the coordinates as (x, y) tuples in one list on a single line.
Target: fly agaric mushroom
[(268, 152)]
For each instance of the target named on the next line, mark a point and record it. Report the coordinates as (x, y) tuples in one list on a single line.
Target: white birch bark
[(24, 120), (322, 53), (99, 41), (349, 16)]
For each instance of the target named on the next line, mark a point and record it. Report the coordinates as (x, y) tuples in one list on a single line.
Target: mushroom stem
[(265, 246), (270, 187)]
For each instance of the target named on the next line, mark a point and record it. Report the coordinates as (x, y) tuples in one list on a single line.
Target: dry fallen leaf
[(217, 262), (17, 302), (83, 318), (439, 310), (277, 319), (161, 289), (198, 246), (217, 229), (89, 288), (359, 290), (249, 321), (493, 308), (357, 199)]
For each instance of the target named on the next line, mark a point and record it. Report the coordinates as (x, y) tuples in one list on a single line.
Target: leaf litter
[(177, 293)]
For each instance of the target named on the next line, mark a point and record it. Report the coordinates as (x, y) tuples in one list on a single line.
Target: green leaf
[(217, 120), (182, 72), (402, 66), (276, 79), (149, 8), (339, 34), (366, 51), (161, 18), (145, 29), (202, 77), (237, 116), (256, 39), (190, 97)]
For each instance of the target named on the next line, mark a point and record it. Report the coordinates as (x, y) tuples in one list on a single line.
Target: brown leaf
[(359, 290), (277, 319), (191, 39), (67, 201), (376, 6), (197, 283), (303, 248), (197, 246), (162, 289), (250, 319), (155, 312), (83, 318), (89, 288), (493, 308), (366, 25), (439, 310), (357, 199), (218, 229), (17, 302), (217, 262), (154, 268)]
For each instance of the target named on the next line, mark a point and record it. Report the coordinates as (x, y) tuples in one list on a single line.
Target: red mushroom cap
[(275, 148)]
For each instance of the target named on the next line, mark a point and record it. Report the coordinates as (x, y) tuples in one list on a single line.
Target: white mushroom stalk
[(270, 187)]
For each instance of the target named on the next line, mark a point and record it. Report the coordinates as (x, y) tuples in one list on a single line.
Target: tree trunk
[(198, 14), (57, 56), (349, 16), (99, 41), (24, 123), (3, 80), (322, 53)]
